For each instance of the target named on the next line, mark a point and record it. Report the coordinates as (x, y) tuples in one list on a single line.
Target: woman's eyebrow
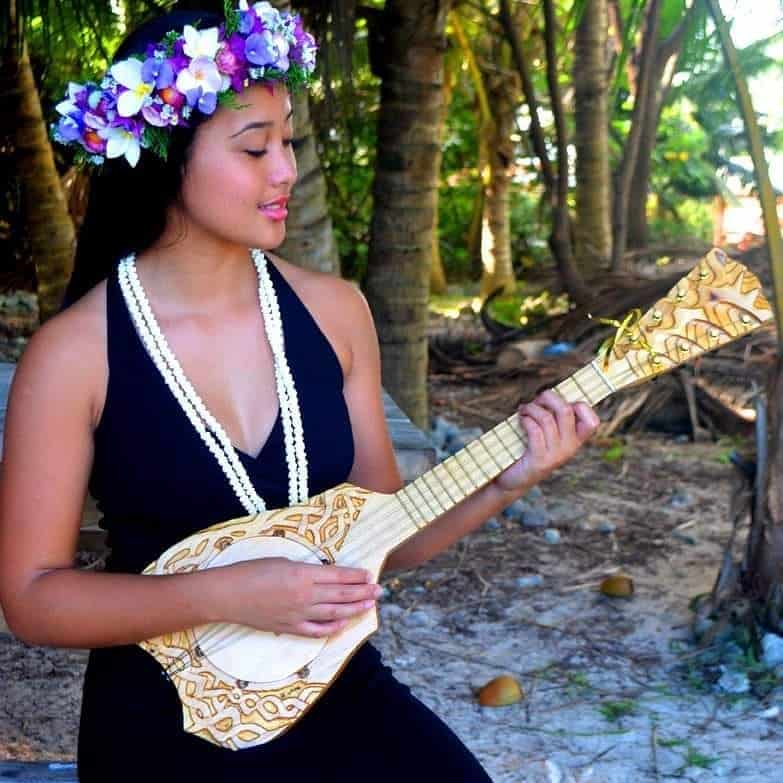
[(252, 125)]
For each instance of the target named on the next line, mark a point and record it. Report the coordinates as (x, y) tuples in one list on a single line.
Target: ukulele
[(240, 687)]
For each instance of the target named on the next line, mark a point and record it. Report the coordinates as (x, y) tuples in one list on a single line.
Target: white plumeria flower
[(121, 142), (128, 74), (202, 72), (267, 13), (200, 43), (280, 44), (68, 106)]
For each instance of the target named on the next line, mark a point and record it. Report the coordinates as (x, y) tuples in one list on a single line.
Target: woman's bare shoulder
[(331, 299), (325, 289), (69, 350)]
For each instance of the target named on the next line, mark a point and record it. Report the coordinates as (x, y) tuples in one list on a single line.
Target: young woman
[(232, 420)]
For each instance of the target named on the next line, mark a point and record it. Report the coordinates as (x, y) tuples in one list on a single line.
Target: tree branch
[(673, 42), (631, 149), (557, 103), (536, 132)]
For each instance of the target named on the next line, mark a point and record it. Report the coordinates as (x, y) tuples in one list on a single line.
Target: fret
[(513, 427), (403, 491), (603, 377), (423, 479), (414, 484), (581, 389), (491, 454), (445, 465), (567, 394), (500, 441), (472, 484), (476, 462), (514, 457), (445, 484)]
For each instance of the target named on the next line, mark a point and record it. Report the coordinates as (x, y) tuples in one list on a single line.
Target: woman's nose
[(283, 169)]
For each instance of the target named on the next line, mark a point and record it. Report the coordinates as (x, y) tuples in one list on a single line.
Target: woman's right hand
[(285, 596)]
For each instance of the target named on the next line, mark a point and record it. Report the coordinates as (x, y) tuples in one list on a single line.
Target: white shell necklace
[(210, 430)]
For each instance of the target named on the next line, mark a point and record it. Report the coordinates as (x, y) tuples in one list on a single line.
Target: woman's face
[(240, 163)]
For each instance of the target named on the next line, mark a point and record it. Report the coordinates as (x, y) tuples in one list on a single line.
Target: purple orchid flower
[(158, 71), (257, 51)]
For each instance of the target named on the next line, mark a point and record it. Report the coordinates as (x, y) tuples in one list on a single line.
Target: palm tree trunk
[(496, 224), (560, 238), (640, 180), (593, 227), (438, 282), (496, 154), (309, 239), (405, 195), (473, 236), (556, 189), (631, 148), (49, 226), (663, 69)]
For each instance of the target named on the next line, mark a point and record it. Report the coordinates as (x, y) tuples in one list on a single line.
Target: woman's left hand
[(555, 431)]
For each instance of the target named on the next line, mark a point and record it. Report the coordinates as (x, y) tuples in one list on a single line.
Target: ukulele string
[(220, 635), (203, 647)]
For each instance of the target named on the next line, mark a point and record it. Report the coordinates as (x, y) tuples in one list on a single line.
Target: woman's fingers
[(545, 421), (332, 612), (344, 594), (317, 630), (329, 574), (555, 417), (587, 420)]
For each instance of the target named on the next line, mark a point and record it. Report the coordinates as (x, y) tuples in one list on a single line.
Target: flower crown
[(139, 100)]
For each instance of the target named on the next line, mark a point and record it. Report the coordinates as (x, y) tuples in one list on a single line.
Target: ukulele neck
[(436, 491)]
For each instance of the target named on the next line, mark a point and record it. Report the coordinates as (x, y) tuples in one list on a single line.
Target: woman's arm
[(555, 431), (47, 457)]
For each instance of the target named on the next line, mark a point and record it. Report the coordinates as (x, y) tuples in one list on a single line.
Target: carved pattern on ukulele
[(216, 706), (716, 302), (275, 679)]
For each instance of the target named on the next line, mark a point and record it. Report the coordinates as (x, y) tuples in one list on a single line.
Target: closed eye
[(293, 143)]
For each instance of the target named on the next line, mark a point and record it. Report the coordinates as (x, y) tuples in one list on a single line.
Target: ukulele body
[(241, 687)]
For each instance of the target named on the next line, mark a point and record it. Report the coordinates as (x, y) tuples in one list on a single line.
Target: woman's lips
[(275, 212)]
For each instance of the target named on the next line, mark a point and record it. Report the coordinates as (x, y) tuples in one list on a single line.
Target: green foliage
[(710, 91), (680, 162), (694, 758), (697, 135), (615, 451), (613, 711), (157, 140), (345, 128), (681, 218), (231, 15)]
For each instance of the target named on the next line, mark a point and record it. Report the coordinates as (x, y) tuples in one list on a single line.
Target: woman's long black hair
[(126, 206)]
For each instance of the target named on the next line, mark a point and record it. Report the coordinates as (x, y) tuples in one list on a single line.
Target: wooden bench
[(413, 449), (38, 771)]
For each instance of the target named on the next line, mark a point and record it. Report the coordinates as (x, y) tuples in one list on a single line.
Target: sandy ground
[(609, 692), (614, 692)]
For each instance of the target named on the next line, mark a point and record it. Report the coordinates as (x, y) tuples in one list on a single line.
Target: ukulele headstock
[(718, 301)]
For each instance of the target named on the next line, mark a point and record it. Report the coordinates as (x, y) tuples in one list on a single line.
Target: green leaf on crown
[(156, 139)]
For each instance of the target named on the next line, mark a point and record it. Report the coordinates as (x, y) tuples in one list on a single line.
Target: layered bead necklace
[(211, 432)]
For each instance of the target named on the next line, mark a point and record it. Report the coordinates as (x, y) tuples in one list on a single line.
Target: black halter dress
[(155, 483)]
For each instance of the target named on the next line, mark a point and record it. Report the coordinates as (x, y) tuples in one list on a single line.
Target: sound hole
[(248, 654)]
